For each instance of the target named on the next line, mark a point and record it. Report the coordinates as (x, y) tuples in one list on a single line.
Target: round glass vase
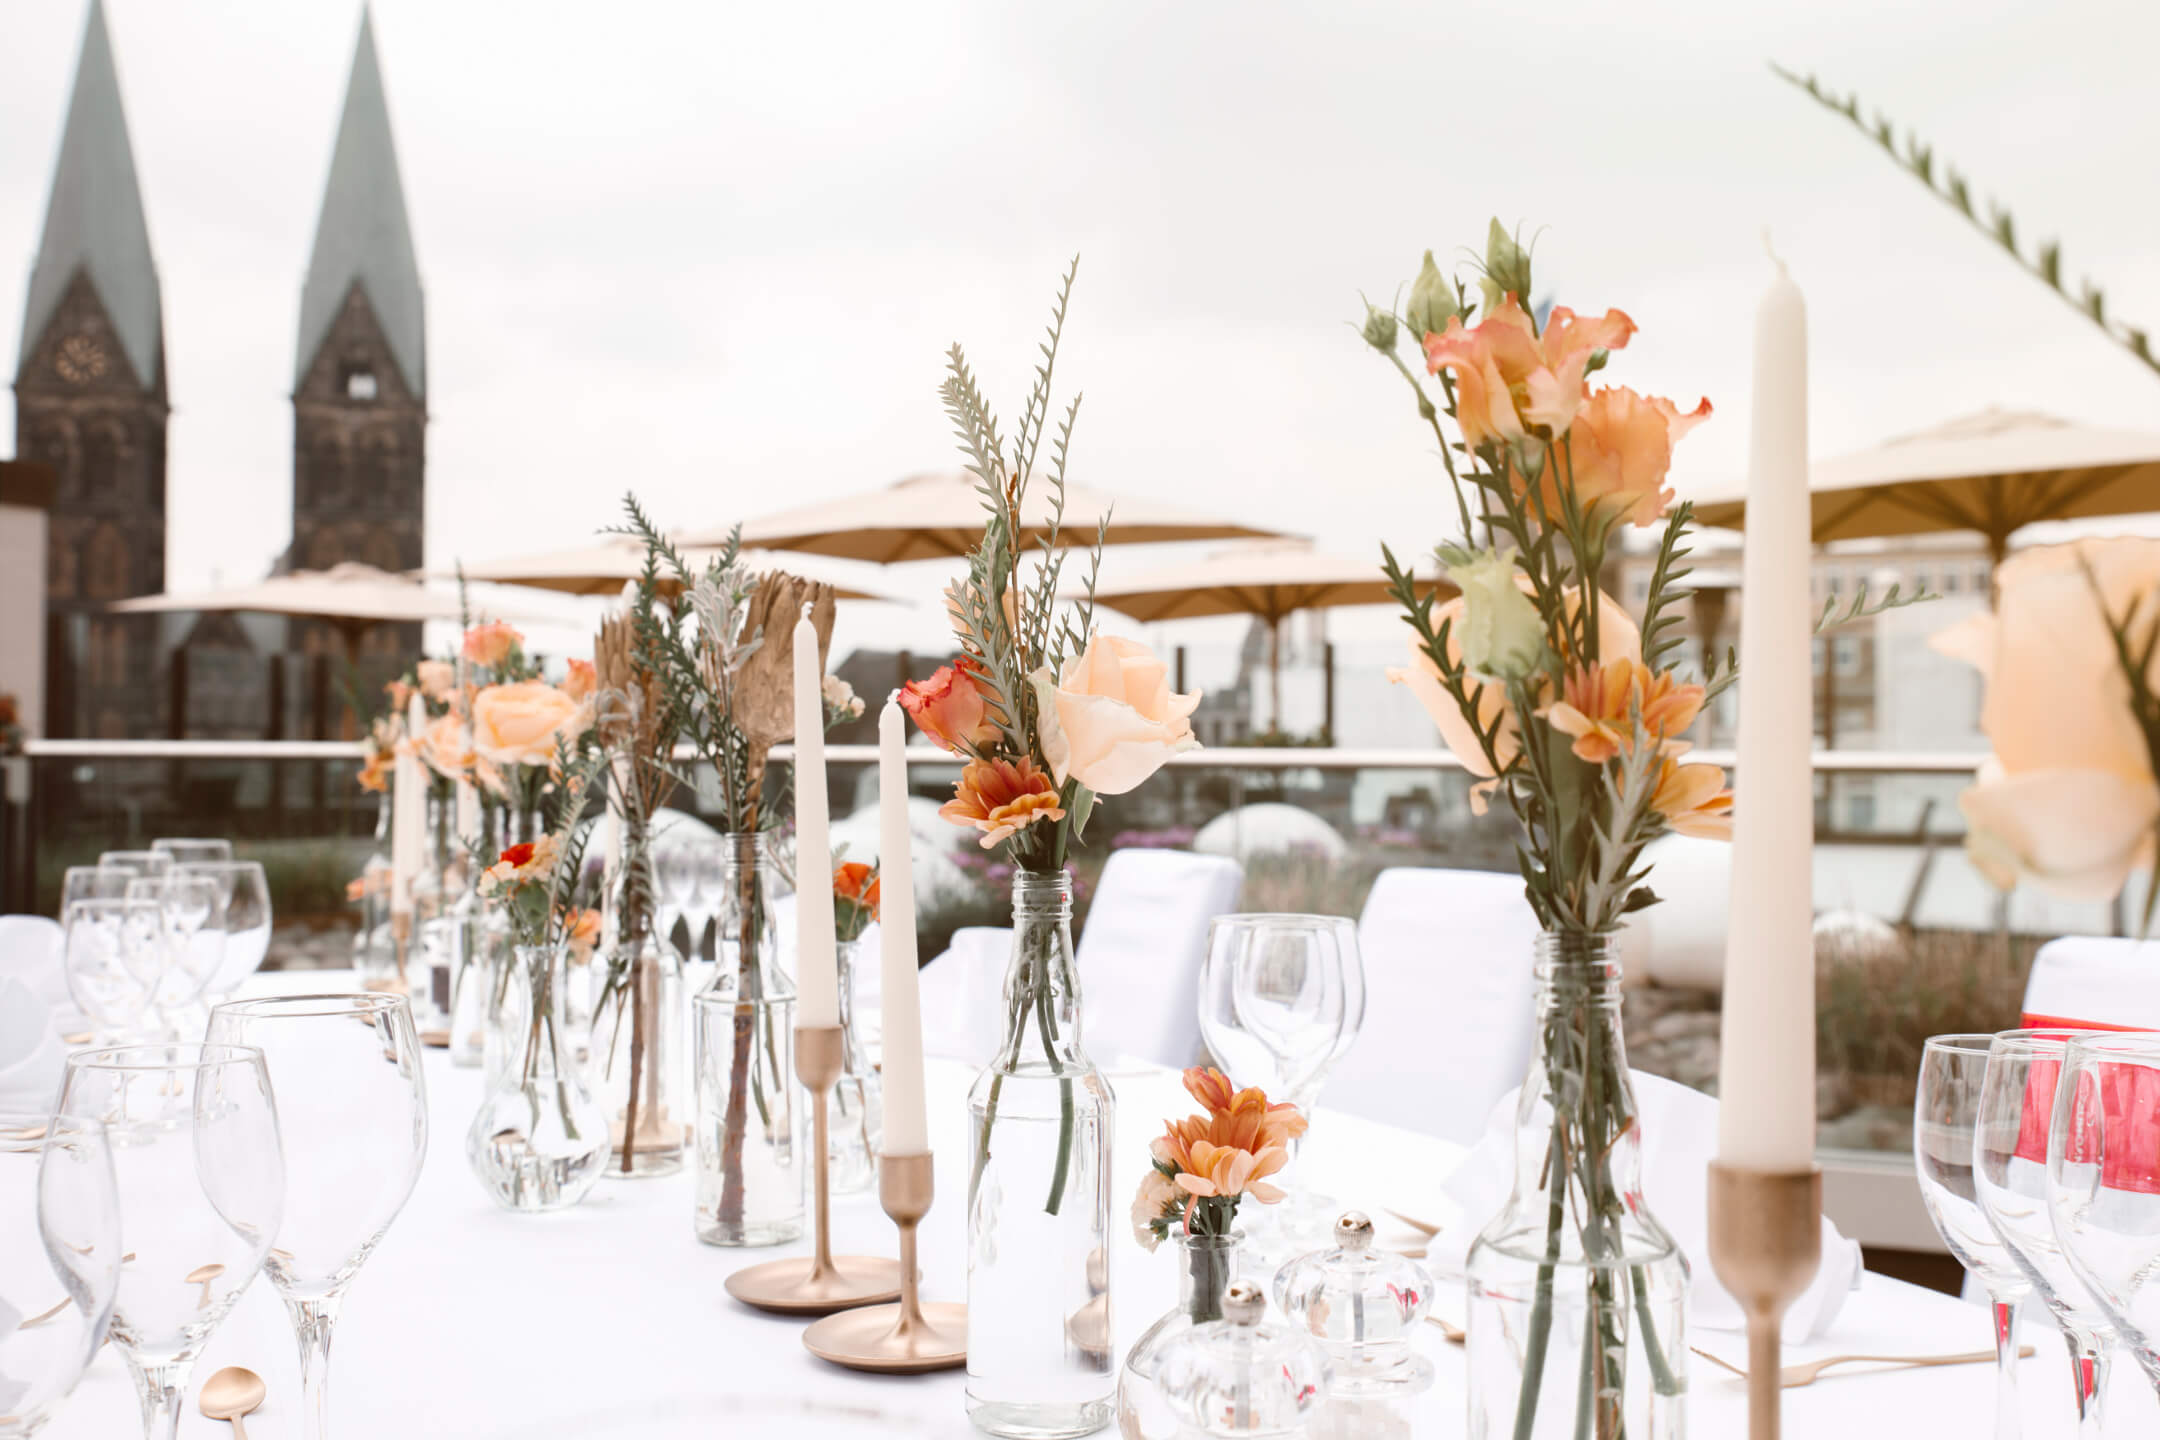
[(637, 1046), (856, 1117), (751, 1168), (494, 951), (1577, 1295), (1207, 1264), (1039, 1361), (540, 1139)]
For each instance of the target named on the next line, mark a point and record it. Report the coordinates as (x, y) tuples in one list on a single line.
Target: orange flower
[(1618, 453), (375, 774), (1693, 799), (857, 882), (1509, 380), (950, 709), (1210, 1087), (490, 644), (1600, 705), (1001, 799), (519, 865), (445, 746), (1246, 1122), (581, 681), (1230, 1172), (582, 928), (438, 679), (400, 695)]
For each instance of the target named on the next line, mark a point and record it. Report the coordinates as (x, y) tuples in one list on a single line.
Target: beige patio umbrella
[(1269, 581), (351, 598), (603, 567), (939, 515), (1995, 472)]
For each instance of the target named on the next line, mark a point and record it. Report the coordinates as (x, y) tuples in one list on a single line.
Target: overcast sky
[(715, 252)]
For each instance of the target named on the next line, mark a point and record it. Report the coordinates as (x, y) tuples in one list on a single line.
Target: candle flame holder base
[(908, 1338), (1766, 1244), (818, 1283)]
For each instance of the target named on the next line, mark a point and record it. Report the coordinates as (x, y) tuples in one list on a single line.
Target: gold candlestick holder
[(1766, 1244), (910, 1337), (817, 1284)]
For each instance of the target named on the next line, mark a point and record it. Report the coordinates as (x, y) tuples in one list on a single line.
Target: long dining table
[(609, 1319)]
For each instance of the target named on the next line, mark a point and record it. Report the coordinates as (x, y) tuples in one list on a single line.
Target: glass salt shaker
[(1362, 1305), (1243, 1376)]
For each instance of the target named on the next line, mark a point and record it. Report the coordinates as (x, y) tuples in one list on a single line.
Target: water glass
[(242, 917), (1946, 1112), (189, 902), (2010, 1153), (183, 851), (2104, 1181), (201, 1175), (115, 958), (59, 1261), (352, 1108)]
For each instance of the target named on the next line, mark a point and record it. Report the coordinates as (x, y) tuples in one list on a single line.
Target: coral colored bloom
[(1601, 705), (1509, 381), (582, 928), (1001, 798), (1693, 799), (490, 644), (857, 882), (950, 709), (581, 681), (445, 747), (1618, 453), (1231, 1172), (1210, 1087), (520, 865)]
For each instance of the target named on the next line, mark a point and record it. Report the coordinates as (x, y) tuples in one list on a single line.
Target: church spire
[(363, 236), (94, 220)]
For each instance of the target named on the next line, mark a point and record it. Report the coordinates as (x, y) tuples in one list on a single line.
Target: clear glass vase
[(494, 950), (469, 998), (540, 1139), (1577, 1295), (374, 948), (1042, 1117), (751, 1168), (856, 1115), (1207, 1264), (637, 1036)]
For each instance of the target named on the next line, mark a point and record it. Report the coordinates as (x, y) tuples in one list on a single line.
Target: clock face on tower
[(80, 360)]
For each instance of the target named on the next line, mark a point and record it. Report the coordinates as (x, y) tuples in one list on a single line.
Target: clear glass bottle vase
[(1207, 1264), (495, 947), (1041, 1123), (540, 1139), (751, 1168), (637, 1035), (857, 1118), (374, 948), (1577, 1295)]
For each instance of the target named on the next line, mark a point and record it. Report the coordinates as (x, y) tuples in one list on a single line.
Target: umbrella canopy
[(603, 567), (1995, 472), (940, 515), (351, 597)]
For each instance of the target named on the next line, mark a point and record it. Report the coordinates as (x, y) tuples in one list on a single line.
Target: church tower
[(360, 379), (90, 402)]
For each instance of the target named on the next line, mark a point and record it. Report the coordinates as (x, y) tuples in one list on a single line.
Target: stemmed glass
[(2010, 1151), (116, 952), (242, 915), (201, 1176), (59, 1261), (353, 1107), (189, 902), (1945, 1114), (2103, 1170), (149, 863), (93, 882), (184, 851)]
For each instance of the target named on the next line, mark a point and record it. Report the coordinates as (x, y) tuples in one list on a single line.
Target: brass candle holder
[(817, 1284), (1766, 1244), (910, 1337)]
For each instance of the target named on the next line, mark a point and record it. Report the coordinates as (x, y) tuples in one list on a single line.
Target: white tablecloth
[(610, 1320)]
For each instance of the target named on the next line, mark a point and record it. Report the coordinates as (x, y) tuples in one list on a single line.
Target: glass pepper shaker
[(1243, 1376), (1362, 1305)]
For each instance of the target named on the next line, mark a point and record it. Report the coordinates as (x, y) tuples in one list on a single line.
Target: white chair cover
[(2092, 980), (960, 990), (31, 950), (1447, 978), (1141, 951)]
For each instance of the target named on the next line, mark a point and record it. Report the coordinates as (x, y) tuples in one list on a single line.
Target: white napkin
[(31, 1055), (1679, 1139)]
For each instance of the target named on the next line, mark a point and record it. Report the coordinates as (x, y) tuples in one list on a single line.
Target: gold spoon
[(202, 1275), (229, 1394)]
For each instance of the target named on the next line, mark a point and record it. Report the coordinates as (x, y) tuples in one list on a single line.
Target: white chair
[(1449, 993), (2091, 981), (1141, 951), (960, 990)]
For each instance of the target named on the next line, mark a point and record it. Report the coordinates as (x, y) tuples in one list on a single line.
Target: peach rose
[(581, 681), (445, 746), (490, 644), (1619, 451), (1510, 381), (2069, 800), (1111, 721), (519, 724), (949, 709), (438, 679)]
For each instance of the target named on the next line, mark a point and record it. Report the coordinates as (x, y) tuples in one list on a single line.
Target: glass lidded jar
[(1363, 1305), (1244, 1374)]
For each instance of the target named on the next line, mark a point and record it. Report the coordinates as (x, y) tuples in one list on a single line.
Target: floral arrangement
[(1206, 1164), (2068, 800), (13, 735), (855, 899), (517, 718)]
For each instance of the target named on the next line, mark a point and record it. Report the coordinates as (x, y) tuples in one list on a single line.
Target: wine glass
[(189, 902), (242, 916), (93, 882), (2103, 1171), (136, 862), (2010, 1151), (201, 1177), (116, 952), (352, 1105), (59, 1261), (185, 850), (1945, 1113)]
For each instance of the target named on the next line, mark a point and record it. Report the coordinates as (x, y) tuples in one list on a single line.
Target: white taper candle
[(408, 811), (1766, 1071), (906, 1124), (817, 977)]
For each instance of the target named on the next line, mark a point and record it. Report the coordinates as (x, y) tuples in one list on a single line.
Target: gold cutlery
[(1807, 1372), (229, 1394), (202, 1275), (36, 1320), (1423, 1227), (1454, 1333)]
